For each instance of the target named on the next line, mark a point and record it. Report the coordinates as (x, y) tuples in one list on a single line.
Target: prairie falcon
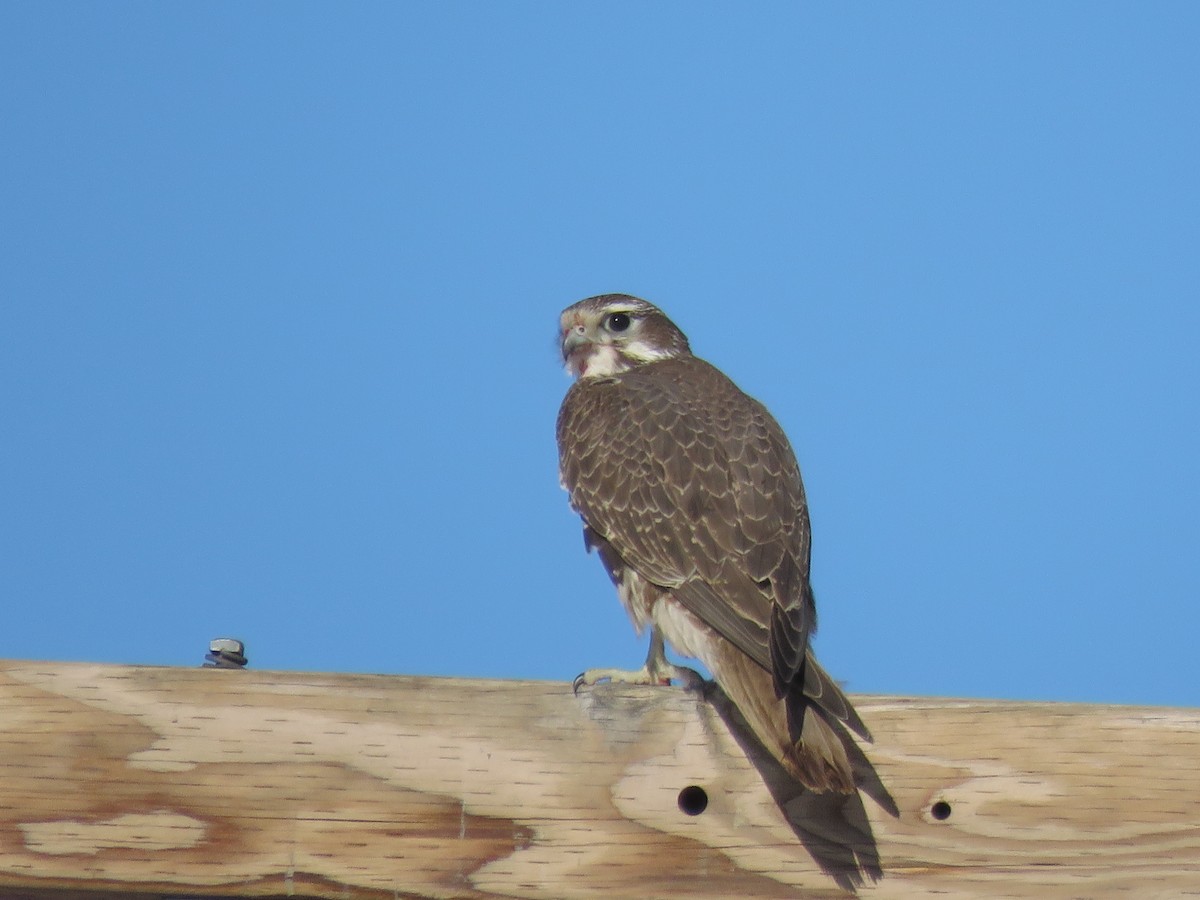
[(691, 494)]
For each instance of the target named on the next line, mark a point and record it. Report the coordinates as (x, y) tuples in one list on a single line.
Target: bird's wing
[(696, 487)]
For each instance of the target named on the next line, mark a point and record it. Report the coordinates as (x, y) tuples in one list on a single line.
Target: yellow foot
[(664, 673)]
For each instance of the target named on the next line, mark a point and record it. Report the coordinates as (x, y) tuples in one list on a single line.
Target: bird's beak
[(574, 337)]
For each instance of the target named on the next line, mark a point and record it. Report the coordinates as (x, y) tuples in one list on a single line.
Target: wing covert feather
[(696, 487)]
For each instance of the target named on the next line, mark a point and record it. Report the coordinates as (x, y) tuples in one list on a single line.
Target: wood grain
[(120, 781)]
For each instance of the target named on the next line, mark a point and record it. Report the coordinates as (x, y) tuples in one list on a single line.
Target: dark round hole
[(940, 810), (693, 800)]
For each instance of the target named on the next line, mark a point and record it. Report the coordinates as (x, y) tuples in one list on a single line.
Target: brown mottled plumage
[(691, 494)]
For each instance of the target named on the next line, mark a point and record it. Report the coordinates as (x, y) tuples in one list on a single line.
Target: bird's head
[(613, 333)]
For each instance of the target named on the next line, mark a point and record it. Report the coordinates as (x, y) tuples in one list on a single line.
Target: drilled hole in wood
[(940, 810), (693, 800)]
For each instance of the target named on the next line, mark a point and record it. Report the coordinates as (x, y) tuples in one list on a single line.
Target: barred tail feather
[(818, 759)]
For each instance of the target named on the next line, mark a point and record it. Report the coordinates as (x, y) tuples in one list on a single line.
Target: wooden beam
[(120, 781)]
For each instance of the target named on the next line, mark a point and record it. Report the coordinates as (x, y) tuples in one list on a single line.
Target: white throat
[(603, 360)]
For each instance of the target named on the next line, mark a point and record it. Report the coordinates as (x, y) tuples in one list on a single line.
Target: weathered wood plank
[(124, 781)]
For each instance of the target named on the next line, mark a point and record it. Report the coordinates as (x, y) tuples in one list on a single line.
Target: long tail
[(795, 729)]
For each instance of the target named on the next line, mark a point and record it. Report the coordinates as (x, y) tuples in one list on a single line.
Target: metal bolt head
[(225, 653)]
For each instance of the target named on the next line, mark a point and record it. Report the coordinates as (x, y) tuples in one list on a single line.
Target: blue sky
[(280, 286)]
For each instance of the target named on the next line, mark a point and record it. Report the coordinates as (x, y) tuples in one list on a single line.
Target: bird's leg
[(657, 670)]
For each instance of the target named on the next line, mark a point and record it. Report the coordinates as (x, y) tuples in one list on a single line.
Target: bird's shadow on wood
[(833, 827)]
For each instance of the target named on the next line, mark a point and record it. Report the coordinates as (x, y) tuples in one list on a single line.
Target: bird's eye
[(617, 321)]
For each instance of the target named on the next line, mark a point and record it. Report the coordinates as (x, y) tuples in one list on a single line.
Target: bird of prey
[(690, 493)]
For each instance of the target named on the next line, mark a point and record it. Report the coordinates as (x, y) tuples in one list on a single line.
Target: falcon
[(691, 495)]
